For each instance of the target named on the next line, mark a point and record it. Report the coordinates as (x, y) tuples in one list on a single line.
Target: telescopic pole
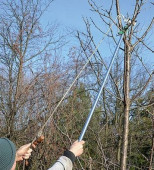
[(94, 105)]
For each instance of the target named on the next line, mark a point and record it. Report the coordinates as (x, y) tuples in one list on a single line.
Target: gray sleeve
[(63, 163)]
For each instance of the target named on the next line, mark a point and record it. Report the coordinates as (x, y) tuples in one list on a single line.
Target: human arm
[(66, 161)]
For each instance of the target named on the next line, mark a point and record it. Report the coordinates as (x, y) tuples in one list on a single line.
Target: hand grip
[(36, 142)]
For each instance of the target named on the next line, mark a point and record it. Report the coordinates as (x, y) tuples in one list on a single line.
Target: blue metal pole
[(94, 105)]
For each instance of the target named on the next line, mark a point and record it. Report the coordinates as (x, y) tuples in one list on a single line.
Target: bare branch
[(144, 87), (118, 14), (144, 34)]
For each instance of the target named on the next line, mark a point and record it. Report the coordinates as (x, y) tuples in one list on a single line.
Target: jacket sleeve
[(63, 163)]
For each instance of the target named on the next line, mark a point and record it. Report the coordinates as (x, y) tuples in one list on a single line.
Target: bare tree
[(23, 42), (132, 40)]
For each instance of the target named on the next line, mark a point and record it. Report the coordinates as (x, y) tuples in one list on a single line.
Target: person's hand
[(23, 152), (77, 147)]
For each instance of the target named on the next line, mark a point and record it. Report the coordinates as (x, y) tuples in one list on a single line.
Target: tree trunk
[(126, 107)]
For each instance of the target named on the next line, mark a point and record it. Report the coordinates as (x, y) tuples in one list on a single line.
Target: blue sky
[(70, 13)]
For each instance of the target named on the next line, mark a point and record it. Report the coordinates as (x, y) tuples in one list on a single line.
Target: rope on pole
[(39, 133)]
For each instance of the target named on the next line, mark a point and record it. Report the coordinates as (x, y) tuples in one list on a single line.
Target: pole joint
[(123, 30)]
